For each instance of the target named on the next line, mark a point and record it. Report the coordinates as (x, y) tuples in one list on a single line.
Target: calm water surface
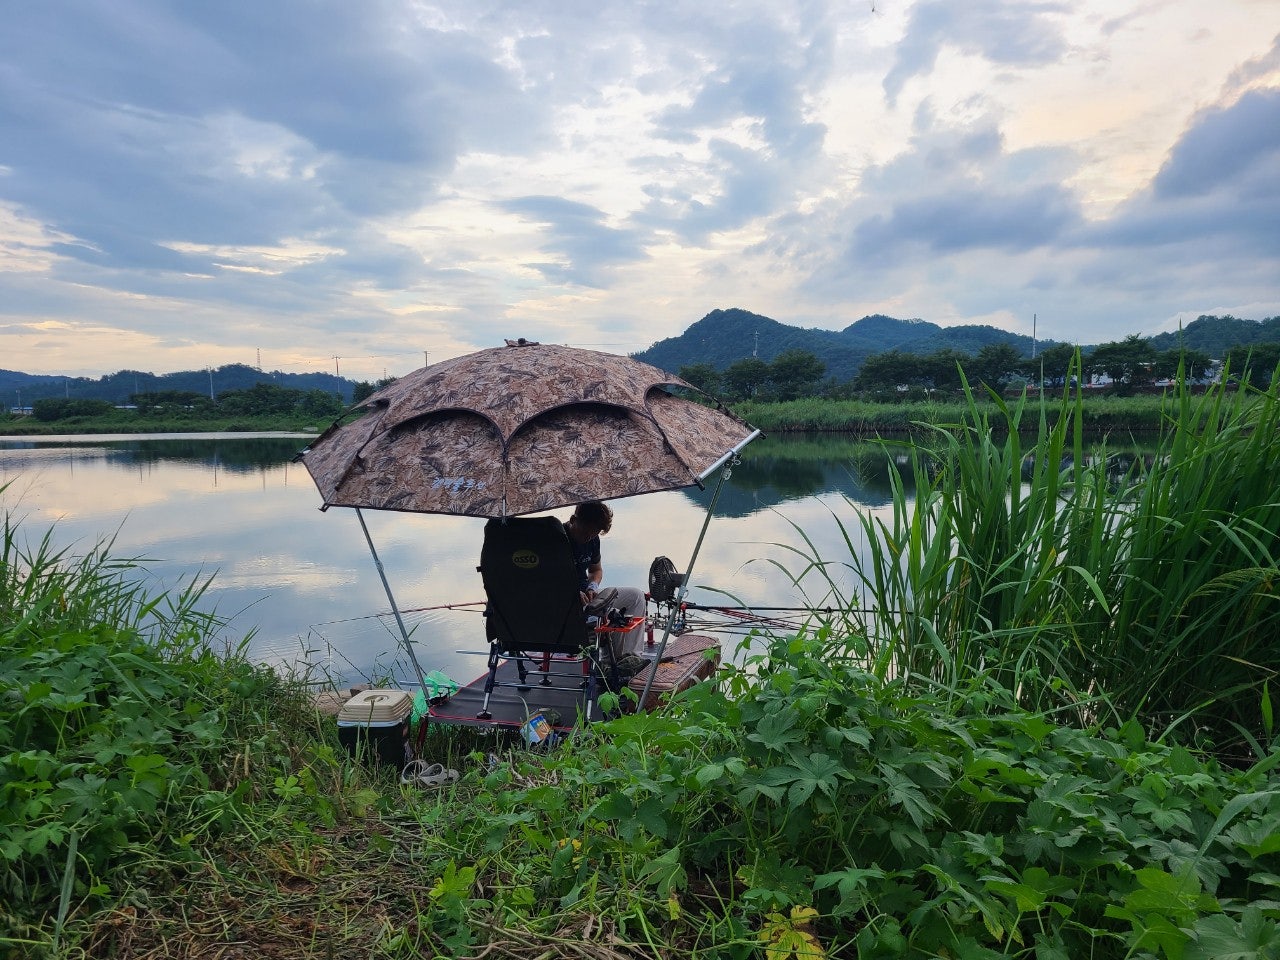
[(301, 583)]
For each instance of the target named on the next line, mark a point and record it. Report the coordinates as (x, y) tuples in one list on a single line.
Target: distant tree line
[(120, 387), (262, 399), (1127, 365), (363, 389)]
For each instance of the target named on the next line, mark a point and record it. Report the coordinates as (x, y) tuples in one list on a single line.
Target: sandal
[(421, 774)]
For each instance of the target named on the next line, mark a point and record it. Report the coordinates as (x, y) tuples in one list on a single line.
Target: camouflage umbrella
[(520, 429)]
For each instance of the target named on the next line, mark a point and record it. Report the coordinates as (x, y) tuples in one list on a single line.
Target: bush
[(61, 408), (814, 806), (121, 730)]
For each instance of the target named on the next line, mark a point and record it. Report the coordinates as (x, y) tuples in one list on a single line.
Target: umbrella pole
[(408, 646), (684, 586)]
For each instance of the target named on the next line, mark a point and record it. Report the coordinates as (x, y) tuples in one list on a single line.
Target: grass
[(1046, 751), (1119, 416), (1140, 415), (130, 421), (1147, 594)]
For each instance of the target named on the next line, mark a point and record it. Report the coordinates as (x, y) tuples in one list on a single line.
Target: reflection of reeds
[(1152, 595)]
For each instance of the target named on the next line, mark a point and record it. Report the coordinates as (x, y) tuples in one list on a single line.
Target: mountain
[(117, 387), (723, 337), (1216, 335)]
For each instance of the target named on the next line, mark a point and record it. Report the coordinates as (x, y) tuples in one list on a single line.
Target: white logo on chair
[(525, 559)]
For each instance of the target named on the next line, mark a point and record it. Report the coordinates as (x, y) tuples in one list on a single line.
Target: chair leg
[(489, 681)]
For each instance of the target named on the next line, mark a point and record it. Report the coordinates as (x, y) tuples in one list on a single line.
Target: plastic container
[(373, 726)]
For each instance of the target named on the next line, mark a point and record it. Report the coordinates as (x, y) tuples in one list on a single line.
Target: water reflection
[(300, 583), (779, 470)]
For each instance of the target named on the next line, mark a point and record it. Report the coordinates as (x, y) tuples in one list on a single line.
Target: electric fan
[(664, 581)]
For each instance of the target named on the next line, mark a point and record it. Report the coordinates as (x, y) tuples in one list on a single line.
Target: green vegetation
[(262, 407), (1154, 587), (918, 414), (724, 338), (1119, 368), (118, 387), (1056, 741)]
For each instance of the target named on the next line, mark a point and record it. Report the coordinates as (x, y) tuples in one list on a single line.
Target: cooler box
[(373, 725), (684, 663)]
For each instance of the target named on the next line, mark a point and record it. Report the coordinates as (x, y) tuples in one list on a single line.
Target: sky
[(308, 185)]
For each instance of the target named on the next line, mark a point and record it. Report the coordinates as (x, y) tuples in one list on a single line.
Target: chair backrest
[(531, 584)]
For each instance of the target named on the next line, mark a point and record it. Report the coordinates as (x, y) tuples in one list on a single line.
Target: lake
[(301, 585)]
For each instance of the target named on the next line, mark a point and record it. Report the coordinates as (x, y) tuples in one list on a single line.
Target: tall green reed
[(1149, 592)]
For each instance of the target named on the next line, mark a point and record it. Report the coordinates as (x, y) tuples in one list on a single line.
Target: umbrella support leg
[(684, 585), (404, 634)]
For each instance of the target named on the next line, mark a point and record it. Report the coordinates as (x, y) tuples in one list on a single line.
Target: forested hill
[(725, 336), (120, 386), (1216, 335), (721, 338)]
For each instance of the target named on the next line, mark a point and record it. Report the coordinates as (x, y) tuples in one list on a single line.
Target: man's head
[(592, 518)]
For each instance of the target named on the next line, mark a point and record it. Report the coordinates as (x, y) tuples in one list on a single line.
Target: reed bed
[(1145, 592), (1140, 416)]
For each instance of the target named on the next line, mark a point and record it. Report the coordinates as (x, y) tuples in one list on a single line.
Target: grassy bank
[(1059, 744), (1140, 415), (128, 421)]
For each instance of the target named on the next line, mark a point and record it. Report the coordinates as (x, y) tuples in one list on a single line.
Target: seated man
[(589, 521)]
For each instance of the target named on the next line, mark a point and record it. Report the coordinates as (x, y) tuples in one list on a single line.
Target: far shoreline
[(1142, 413), (188, 435)]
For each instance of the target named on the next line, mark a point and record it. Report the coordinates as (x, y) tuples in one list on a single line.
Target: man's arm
[(595, 574)]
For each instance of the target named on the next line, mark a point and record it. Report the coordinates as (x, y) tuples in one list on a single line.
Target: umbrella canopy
[(520, 429)]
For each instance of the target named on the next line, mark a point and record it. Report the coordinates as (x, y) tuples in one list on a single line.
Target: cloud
[(1225, 146), (356, 179), (223, 123), (958, 189), (1007, 32), (1218, 190), (959, 204), (969, 217), (750, 111), (580, 235)]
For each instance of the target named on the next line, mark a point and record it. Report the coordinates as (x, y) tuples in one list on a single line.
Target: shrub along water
[(1141, 415), (125, 735)]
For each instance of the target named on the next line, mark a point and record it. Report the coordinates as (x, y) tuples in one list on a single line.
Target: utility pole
[(425, 361), (335, 367), (755, 350), (210, 369), (1033, 336)]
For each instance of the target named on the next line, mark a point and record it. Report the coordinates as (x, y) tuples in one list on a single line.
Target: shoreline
[(189, 435), (1139, 414)]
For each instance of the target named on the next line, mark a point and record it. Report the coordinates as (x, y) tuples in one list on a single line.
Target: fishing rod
[(726, 608), (477, 604)]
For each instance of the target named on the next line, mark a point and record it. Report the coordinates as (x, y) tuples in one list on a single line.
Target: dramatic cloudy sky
[(186, 184)]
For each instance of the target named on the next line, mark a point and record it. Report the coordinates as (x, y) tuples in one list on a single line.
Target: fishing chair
[(535, 614)]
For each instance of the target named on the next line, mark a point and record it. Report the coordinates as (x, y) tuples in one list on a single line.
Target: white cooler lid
[(377, 706)]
